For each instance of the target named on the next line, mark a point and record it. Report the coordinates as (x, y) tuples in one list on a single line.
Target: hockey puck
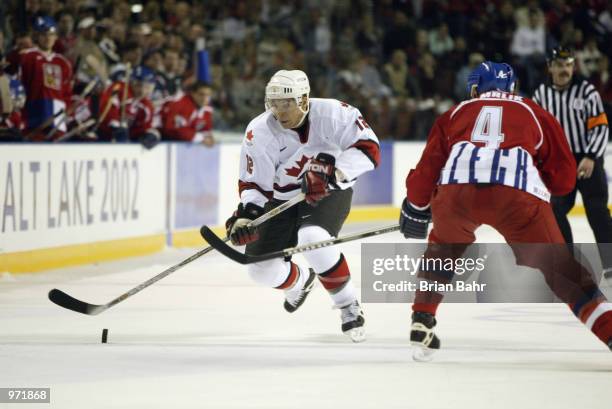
[(104, 335)]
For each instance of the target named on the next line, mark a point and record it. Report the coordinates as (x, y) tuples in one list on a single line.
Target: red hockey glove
[(319, 172), (236, 226)]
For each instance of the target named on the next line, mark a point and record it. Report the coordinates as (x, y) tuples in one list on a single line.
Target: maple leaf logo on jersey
[(295, 171), (249, 138)]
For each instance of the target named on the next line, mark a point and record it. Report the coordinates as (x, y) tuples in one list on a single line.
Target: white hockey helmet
[(288, 85)]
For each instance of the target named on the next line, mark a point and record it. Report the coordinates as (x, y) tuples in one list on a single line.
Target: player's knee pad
[(271, 273), (321, 259)]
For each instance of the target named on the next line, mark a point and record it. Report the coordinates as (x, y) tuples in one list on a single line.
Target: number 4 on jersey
[(488, 127)]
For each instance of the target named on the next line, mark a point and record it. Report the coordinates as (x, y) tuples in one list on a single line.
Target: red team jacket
[(139, 112), (47, 79), (183, 120), (498, 138)]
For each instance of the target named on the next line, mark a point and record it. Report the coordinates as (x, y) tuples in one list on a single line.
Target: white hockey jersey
[(272, 158)]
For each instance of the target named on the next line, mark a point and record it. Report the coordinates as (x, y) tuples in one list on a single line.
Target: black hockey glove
[(150, 139), (413, 222), (120, 134), (319, 172), (236, 226)]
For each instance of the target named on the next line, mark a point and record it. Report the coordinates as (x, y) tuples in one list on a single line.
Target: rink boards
[(82, 203)]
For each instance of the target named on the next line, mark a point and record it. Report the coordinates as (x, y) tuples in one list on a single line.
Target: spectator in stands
[(172, 71), (602, 79), (154, 61), (12, 100), (91, 60), (189, 118), (463, 73), (372, 84), (440, 41), (396, 73), (529, 48), (66, 38), (398, 35), (132, 54), (588, 58)]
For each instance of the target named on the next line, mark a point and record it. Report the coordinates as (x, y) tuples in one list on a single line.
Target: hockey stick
[(124, 97), (67, 301), (48, 122), (109, 103), (79, 128), (242, 258), (86, 91)]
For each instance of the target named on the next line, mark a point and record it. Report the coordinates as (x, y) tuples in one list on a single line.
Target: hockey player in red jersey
[(495, 159), (139, 111), (310, 145), (47, 78), (189, 118)]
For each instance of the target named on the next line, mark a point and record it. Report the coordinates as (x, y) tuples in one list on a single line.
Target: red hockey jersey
[(47, 79), (183, 120), (138, 112), (498, 138)]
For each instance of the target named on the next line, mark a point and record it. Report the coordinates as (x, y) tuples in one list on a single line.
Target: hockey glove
[(150, 139), (413, 222), (120, 134), (236, 226), (319, 172)]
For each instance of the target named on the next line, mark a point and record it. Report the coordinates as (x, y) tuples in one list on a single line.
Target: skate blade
[(422, 354), (356, 334)]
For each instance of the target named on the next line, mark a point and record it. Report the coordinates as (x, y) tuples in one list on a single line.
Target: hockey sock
[(597, 316), (425, 301), (602, 325), (432, 273), (336, 282), (295, 278)]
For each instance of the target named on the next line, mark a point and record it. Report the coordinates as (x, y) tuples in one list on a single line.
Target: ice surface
[(207, 337)]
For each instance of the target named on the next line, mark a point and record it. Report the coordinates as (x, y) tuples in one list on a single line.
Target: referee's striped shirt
[(580, 112)]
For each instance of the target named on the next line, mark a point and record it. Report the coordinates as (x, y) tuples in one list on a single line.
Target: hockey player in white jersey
[(311, 145)]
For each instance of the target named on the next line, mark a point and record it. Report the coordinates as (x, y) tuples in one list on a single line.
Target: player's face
[(46, 40), (201, 96), (286, 111), (143, 89), (561, 71)]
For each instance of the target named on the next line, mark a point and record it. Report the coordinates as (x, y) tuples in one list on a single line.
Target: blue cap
[(143, 74), (45, 24), (490, 76)]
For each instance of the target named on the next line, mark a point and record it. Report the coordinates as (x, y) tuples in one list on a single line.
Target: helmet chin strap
[(301, 120), (304, 112)]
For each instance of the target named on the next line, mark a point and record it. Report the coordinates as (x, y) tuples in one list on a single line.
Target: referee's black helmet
[(560, 53)]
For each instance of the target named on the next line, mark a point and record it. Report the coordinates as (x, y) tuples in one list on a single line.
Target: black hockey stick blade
[(64, 300), (219, 244)]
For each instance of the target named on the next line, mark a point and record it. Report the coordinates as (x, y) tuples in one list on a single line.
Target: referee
[(577, 106)]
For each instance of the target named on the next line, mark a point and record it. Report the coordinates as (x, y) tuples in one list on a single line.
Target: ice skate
[(422, 337), (352, 321), (294, 298)]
